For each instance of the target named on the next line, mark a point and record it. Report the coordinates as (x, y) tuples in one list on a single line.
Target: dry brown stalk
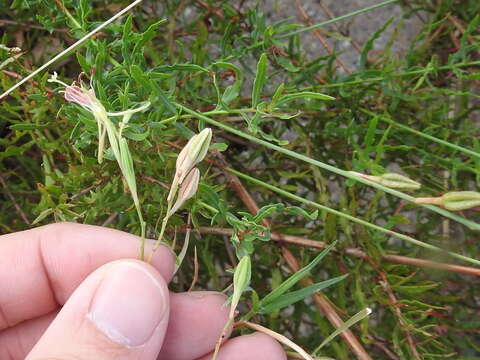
[(458, 24), (195, 271), (301, 241), (110, 219), (7, 22), (15, 75)]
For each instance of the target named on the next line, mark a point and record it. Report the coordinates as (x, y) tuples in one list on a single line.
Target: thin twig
[(396, 306), (383, 347), (301, 241), (4, 22), (195, 270), (15, 75), (320, 37), (14, 202), (457, 23), (331, 16), (88, 189), (111, 218)]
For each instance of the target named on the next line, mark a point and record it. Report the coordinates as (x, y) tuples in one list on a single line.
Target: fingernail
[(129, 304)]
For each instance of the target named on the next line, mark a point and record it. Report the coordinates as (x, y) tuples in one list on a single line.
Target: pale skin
[(83, 283)]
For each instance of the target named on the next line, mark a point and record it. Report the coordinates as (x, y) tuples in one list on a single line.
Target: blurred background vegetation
[(401, 72)]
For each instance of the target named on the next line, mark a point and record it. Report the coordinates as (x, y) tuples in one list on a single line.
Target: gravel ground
[(358, 28)]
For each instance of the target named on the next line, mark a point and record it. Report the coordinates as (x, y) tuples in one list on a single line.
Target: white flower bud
[(194, 152), (188, 188)]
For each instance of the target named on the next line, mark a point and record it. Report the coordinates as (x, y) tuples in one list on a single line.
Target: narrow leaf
[(292, 280), (260, 79), (303, 95), (353, 320), (298, 295)]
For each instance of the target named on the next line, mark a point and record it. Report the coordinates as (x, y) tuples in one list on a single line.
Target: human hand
[(66, 294)]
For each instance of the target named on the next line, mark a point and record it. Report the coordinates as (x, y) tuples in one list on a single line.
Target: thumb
[(120, 311)]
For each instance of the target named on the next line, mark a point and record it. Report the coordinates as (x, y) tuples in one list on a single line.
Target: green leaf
[(303, 95), (294, 296), (287, 64), (276, 96), (26, 126), (292, 280), (260, 80), (42, 215), (181, 67), (149, 34), (296, 210), (219, 147), (369, 44), (232, 91)]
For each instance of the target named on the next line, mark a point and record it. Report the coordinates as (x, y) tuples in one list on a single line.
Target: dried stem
[(195, 270), (316, 244), (279, 337)]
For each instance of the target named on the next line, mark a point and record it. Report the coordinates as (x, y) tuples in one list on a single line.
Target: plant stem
[(470, 224), (351, 218), (162, 231), (279, 337), (316, 244), (338, 18), (207, 113), (422, 134), (393, 75), (222, 337)]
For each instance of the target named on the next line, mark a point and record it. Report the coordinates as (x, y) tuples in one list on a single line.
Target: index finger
[(40, 268)]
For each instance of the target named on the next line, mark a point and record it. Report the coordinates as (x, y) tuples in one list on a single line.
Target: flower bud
[(194, 152), (392, 180), (461, 200), (241, 280), (187, 189), (454, 200)]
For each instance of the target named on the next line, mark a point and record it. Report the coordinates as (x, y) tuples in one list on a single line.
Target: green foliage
[(293, 139)]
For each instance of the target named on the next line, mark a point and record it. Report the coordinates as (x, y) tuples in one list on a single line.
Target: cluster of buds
[(186, 178), (391, 180), (187, 175), (454, 200)]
